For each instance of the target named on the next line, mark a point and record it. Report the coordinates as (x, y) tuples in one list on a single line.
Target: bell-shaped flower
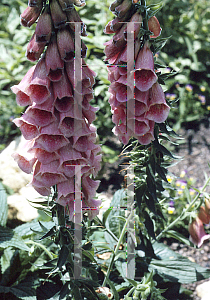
[(38, 90), (24, 158), (158, 109), (29, 131), (148, 137), (145, 76), (22, 97), (197, 232)]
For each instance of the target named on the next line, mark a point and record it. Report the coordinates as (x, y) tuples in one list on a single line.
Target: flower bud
[(197, 232), (154, 26), (58, 16), (203, 215), (115, 4), (44, 27), (73, 16), (66, 4), (36, 3), (65, 44), (53, 61), (34, 49), (30, 15), (123, 8), (207, 205)]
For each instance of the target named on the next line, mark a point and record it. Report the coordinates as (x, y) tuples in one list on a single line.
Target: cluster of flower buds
[(134, 117), (196, 228), (60, 139)]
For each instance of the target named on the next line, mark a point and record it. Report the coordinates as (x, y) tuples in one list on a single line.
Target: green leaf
[(179, 237), (105, 215), (10, 239), (3, 206), (149, 225), (63, 255), (174, 267), (64, 291), (24, 290), (133, 282)]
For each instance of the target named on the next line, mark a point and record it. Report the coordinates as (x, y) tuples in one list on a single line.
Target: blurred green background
[(187, 52)]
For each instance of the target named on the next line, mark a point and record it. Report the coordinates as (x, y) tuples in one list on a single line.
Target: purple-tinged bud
[(154, 26), (123, 8), (58, 16), (44, 27), (30, 15), (197, 232), (65, 44), (83, 50), (137, 19), (34, 49), (36, 3), (66, 4), (118, 38), (73, 16), (203, 215), (115, 4), (207, 205), (53, 61)]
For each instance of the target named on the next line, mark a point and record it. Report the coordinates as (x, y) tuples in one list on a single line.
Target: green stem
[(131, 291), (117, 247), (184, 212), (41, 246)]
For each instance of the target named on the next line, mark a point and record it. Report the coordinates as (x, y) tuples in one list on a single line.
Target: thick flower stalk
[(148, 104), (60, 139)]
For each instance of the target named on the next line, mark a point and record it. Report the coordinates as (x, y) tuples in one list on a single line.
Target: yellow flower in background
[(189, 87), (182, 174), (171, 210), (208, 107), (202, 88)]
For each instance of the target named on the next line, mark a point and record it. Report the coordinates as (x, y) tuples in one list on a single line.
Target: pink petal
[(158, 109)]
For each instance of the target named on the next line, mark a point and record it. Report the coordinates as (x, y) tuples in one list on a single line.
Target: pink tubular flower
[(197, 232), (137, 105), (60, 137)]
